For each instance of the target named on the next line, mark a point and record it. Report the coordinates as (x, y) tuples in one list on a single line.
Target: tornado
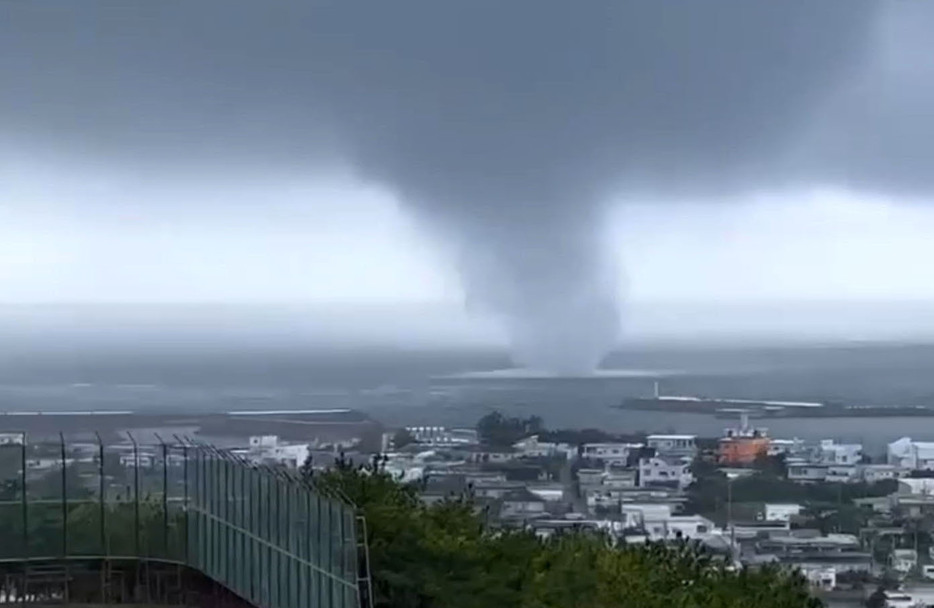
[(505, 128)]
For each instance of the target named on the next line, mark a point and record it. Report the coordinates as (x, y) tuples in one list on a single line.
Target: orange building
[(742, 446), (742, 450)]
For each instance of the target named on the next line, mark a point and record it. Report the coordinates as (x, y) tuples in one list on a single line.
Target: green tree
[(443, 555), (498, 430)]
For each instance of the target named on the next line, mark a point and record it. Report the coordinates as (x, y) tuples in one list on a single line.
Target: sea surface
[(455, 387)]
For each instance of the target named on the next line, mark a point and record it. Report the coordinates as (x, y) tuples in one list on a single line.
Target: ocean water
[(455, 387)]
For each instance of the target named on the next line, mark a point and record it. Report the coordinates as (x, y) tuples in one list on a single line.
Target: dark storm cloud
[(874, 132), (504, 125)]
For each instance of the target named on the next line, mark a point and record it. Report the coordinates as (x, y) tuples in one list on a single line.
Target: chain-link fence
[(265, 534)]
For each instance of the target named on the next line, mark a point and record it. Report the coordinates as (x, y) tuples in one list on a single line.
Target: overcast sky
[(336, 242), (580, 158)]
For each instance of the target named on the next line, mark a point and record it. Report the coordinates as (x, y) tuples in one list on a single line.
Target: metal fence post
[(25, 502), (165, 497), (102, 489), (61, 437), (136, 535)]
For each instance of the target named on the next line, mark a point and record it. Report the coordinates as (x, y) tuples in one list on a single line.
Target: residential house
[(832, 453), (824, 579), (749, 530), (665, 471), (268, 449), (143, 460), (787, 447), (620, 478), (531, 447), (497, 489), (437, 489), (547, 491), (599, 497), (405, 470), (914, 498), (610, 453), (12, 438), (521, 503), (637, 513), (913, 455), (673, 445), (610, 477), (809, 553), (843, 474), (546, 528), (435, 436), (675, 527), (475, 477), (590, 476), (903, 561), (263, 441), (614, 499), (807, 473), (780, 511), (872, 473), (483, 454)]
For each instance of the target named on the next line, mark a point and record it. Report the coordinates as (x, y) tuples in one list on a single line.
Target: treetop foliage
[(443, 555)]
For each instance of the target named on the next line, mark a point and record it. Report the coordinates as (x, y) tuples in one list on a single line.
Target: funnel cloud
[(505, 127)]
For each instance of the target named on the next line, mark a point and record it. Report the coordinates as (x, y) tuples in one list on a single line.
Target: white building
[(405, 468), (821, 578), (787, 447), (442, 436), (590, 476), (609, 453), (843, 474), (531, 447), (674, 445), (258, 442), (781, 511), (662, 471), (289, 455), (549, 492), (872, 473), (914, 455), (677, 527), (923, 486), (521, 503), (904, 560), (131, 460), (900, 599), (266, 448), (807, 473), (832, 453), (620, 478), (600, 497), (635, 514), (12, 438)]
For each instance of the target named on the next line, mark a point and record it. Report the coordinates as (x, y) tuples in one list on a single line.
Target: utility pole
[(729, 514)]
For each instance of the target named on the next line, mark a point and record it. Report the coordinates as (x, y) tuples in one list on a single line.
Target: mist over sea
[(426, 386), (148, 363)]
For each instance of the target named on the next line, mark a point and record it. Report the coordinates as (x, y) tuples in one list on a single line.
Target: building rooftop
[(521, 495), (663, 436)]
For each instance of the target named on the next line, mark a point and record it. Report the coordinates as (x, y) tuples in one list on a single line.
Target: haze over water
[(55, 362)]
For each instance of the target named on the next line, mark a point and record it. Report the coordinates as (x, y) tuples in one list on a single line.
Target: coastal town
[(852, 522)]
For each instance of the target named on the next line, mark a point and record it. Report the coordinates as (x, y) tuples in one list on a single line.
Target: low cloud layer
[(504, 127)]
